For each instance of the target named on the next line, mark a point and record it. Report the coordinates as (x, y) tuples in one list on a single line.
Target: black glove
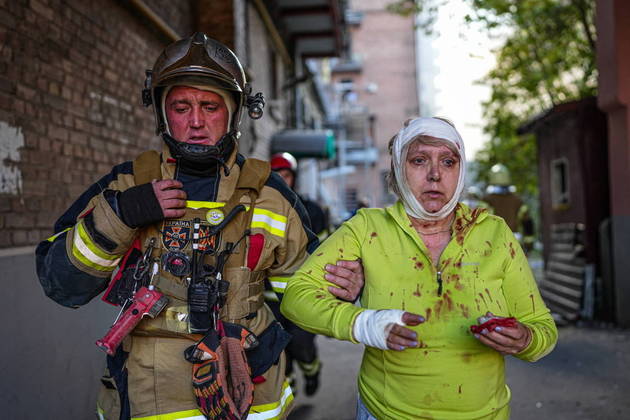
[(138, 206)]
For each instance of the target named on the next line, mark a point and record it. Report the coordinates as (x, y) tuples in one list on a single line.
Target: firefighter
[(199, 225), (503, 201), (302, 348)]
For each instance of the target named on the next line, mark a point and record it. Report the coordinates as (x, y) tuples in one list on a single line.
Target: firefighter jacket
[(450, 375), (150, 378)]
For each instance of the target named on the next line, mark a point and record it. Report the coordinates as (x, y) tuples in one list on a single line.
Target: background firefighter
[(302, 348), (180, 212), (503, 201)]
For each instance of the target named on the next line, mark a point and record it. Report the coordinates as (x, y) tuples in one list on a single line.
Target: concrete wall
[(50, 365)]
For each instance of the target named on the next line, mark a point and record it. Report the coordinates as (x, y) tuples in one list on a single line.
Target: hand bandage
[(372, 327)]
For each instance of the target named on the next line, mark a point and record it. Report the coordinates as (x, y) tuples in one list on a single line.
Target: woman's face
[(432, 174)]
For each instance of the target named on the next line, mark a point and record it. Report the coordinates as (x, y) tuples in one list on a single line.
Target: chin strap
[(196, 158)]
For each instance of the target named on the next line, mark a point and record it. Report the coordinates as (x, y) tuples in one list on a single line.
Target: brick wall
[(70, 79)]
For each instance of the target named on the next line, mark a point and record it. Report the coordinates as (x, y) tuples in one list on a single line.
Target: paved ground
[(587, 376)]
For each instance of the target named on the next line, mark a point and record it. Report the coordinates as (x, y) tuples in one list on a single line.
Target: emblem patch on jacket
[(176, 234)]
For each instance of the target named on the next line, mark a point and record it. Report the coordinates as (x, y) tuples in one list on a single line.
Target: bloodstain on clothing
[(463, 224), (428, 316), (319, 296), (489, 244), (448, 300), (499, 305), (446, 263), (438, 307), (391, 293), (422, 344), (477, 302), (417, 291), (484, 299), (418, 265), (512, 252), (458, 264), (531, 296), (402, 306), (319, 254), (465, 310), (373, 234), (488, 293), (459, 389)]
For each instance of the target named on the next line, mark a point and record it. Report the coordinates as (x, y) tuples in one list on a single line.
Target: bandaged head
[(431, 127)]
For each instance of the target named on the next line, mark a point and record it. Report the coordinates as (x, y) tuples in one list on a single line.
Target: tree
[(548, 58)]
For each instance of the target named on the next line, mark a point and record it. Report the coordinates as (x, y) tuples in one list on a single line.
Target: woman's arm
[(525, 303), (307, 300)]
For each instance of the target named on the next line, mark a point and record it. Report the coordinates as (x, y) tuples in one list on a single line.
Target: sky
[(451, 61)]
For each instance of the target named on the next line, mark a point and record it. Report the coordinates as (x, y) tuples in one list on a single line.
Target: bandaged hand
[(386, 329)]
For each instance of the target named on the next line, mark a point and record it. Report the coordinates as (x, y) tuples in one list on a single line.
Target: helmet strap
[(202, 160)]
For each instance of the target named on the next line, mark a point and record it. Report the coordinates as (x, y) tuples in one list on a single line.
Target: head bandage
[(227, 98), (439, 129)]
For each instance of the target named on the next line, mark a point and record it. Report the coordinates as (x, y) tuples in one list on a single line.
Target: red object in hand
[(493, 323)]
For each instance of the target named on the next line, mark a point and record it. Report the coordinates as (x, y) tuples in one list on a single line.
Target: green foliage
[(548, 58)]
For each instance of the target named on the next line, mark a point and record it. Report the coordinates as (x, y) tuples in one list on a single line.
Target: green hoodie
[(451, 375)]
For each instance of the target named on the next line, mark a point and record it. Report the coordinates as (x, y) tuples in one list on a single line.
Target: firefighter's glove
[(385, 329), (138, 206), (221, 377)]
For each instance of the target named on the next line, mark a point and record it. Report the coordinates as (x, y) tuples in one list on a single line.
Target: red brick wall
[(70, 79)]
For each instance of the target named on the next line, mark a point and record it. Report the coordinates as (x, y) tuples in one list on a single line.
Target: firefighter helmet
[(499, 175), (283, 161), (199, 61)]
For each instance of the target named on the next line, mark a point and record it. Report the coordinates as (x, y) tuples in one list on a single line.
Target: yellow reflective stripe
[(52, 238), (100, 413), (270, 296), (92, 246), (274, 410), (278, 284), (203, 204), (270, 221), (84, 253), (176, 415)]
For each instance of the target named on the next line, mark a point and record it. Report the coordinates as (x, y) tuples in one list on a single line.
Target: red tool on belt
[(146, 301)]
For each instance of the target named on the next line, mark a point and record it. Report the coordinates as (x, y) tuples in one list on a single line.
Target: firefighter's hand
[(348, 277), (171, 197), (505, 340)]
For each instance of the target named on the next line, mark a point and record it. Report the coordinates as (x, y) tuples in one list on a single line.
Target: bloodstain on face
[(512, 252), (488, 293), (417, 291)]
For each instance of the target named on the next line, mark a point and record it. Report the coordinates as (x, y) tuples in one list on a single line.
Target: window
[(560, 183)]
